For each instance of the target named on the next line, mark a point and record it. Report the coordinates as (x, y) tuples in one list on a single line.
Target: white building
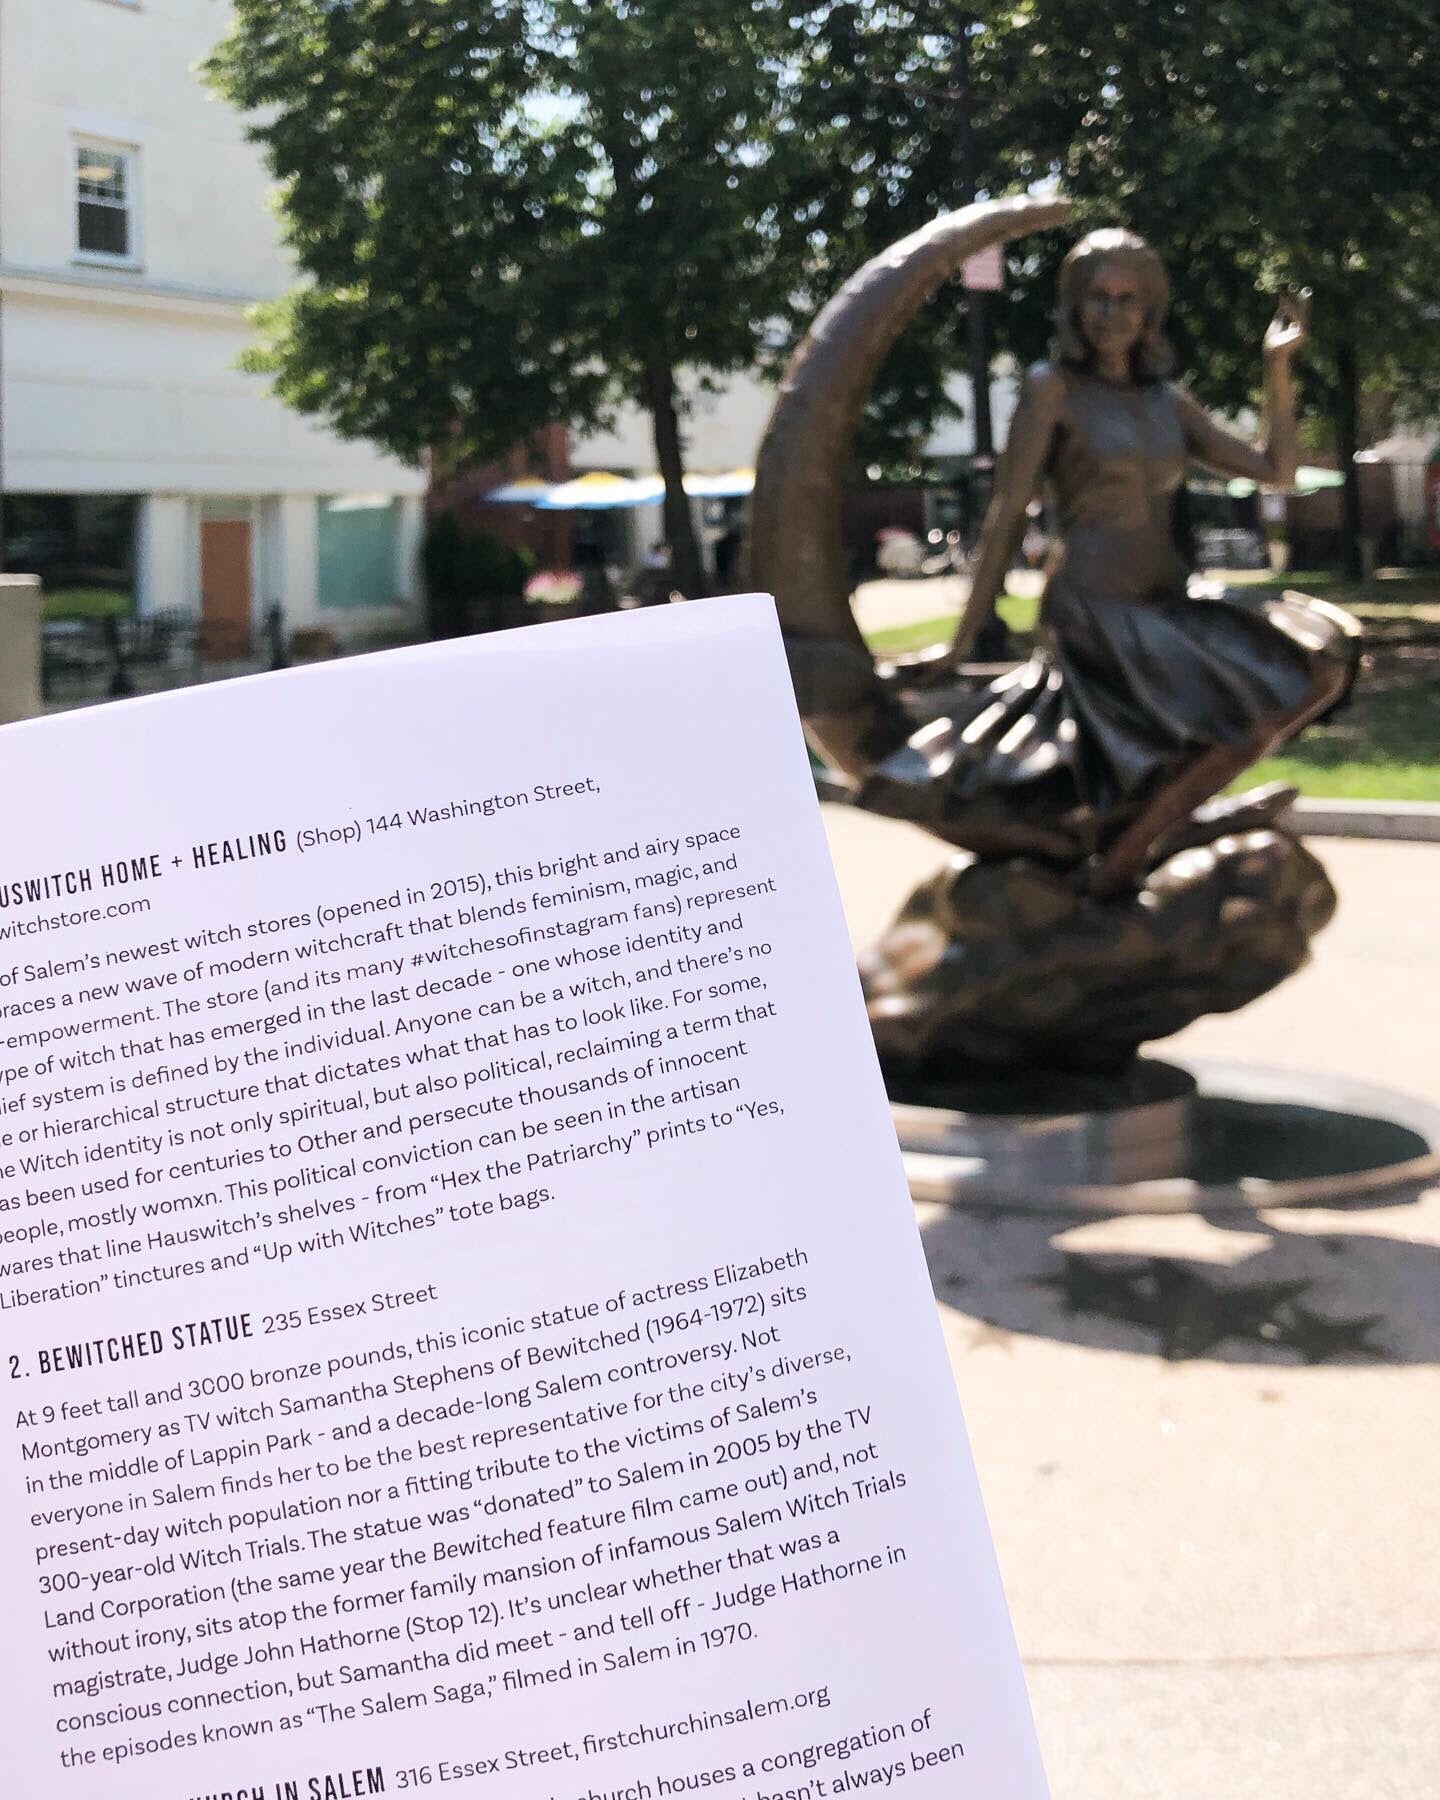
[(134, 232)]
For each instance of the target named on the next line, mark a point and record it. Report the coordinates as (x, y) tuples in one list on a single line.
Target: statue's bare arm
[(1017, 479), (1216, 447), (1225, 451)]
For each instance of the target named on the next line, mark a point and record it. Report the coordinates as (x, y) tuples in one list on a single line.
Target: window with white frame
[(105, 197)]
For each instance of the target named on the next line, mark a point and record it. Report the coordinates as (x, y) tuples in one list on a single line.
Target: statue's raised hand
[(1290, 327)]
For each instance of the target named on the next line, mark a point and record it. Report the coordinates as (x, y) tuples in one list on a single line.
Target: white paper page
[(464, 1322)]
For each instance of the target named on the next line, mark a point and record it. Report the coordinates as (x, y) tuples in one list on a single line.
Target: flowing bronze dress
[(1137, 670)]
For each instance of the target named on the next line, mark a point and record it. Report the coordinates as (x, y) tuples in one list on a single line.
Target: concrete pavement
[(882, 605), (1224, 1571)]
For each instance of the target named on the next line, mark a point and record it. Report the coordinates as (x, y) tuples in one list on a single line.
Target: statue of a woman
[(1143, 699)]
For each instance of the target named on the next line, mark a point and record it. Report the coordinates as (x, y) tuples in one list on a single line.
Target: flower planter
[(544, 612)]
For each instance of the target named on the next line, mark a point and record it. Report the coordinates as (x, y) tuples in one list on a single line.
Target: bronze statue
[(1078, 779)]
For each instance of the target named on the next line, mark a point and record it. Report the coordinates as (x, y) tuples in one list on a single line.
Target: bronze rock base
[(1009, 969)]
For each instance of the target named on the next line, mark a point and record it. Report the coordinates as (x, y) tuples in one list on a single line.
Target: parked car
[(1230, 549)]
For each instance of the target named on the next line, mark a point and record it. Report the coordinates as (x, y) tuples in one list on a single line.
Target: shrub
[(469, 573)]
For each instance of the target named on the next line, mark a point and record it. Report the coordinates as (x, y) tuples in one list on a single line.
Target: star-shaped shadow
[(1191, 1313)]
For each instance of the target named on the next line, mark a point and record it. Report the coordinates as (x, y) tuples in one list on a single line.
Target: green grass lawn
[(1367, 778), (1019, 614), (87, 603), (1383, 745), (1389, 588)]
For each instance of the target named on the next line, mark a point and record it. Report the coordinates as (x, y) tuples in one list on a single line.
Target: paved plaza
[(890, 602), (1224, 1569)]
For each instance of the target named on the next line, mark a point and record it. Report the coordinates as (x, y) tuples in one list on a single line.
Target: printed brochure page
[(463, 1319)]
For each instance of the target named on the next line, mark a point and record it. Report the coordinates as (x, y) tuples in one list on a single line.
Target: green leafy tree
[(904, 111), (1259, 148), (516, 213)]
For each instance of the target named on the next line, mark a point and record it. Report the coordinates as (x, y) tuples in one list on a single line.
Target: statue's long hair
[(1152, 358)]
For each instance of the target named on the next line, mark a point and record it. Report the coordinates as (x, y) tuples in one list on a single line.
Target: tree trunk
[(685, 564), (1347, 442)]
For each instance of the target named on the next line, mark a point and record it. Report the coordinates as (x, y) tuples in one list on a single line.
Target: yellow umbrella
[(530, 490), (600, 492), (733, 485)]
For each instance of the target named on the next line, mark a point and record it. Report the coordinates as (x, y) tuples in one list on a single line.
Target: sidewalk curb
[(1410, 821), (1399, 821)]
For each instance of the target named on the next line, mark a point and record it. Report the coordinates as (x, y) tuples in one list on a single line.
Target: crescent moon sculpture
[(1002, 965), (795, 545)]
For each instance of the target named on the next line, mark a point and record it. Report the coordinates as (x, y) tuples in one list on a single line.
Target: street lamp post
[(977, 323), (967, 170)]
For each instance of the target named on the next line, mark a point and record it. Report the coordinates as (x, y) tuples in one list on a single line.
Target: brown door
[(225, 588)]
